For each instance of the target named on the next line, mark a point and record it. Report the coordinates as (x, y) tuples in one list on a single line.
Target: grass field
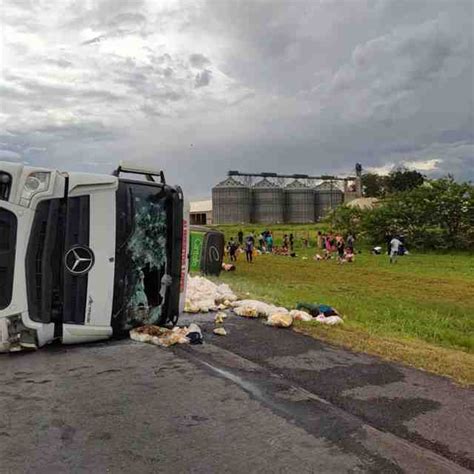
[(419, 311)]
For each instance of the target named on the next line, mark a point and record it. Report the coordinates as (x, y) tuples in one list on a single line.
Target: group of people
[(331, 245), (247, 245), (261, 243)]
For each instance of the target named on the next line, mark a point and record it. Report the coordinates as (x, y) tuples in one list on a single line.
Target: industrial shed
[(201, 212)]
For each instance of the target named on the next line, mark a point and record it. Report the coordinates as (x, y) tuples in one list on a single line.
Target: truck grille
[(54, 295), (8, 229)]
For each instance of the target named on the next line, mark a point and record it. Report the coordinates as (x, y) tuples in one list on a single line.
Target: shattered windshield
[(142, 253)]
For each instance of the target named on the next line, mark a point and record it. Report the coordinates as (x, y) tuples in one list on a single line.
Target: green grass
[(419, 311)]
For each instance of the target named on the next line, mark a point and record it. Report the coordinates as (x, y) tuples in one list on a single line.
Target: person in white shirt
[(394, 247)]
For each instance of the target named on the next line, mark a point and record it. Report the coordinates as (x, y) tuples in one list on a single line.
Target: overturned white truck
[(84, 256)]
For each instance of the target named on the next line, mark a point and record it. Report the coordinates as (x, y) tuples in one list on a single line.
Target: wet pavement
[(260, 400)]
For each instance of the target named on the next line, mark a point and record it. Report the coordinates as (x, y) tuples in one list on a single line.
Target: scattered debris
[(330, 320), (159, 336), (203, 295), (316, 309), (219, 319), (228, 267), (281, 320), (194, 334), (220, 331), (246, 312), (300, 315), (165, 337), (262, 309)]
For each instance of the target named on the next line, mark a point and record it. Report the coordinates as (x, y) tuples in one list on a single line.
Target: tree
[(373, 185), (403, 179), (454, 205), (438, 215), (345, 219)]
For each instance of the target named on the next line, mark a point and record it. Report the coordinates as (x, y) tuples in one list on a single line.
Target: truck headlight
[(35, 183)]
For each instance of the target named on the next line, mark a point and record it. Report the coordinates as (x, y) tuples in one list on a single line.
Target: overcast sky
[(201, 87)]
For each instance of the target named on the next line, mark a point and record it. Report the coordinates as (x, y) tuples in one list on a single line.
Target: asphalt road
[(259, 400)]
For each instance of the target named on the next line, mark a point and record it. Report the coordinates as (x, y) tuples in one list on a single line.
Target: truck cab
[(84, 256)]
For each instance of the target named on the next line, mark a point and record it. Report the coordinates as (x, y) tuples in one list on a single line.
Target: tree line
[(429, 214)]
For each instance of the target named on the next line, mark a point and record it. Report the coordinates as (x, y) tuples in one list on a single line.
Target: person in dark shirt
[(232, 246), (249, 249), (340, 249), (240, 237), (350, 242), (292, 242)]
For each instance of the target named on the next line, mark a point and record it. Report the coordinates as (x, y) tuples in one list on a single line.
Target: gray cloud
[(203, 78), (198, 60), (285, 86)]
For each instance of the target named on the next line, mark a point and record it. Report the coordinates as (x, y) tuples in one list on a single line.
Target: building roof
[(328, 186), (201, 206), (296, 184), (363, 202), (265, 183), (229, 183)]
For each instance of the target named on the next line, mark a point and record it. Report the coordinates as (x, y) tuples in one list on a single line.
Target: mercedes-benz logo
[(79, 260)]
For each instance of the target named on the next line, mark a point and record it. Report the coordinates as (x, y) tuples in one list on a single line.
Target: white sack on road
[(203, 295), (159, 336), (281, 320), (300, 315), (262, 310), (330, 320)]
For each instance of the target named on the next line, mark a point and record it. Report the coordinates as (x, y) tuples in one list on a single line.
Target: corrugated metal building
[(299, 203)]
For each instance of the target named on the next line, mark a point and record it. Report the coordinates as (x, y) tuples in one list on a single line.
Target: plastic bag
[(219, 319), (330, 320), (262, 309), (281, 320), (246, 312), (203, 295), (159, 336), (220, 331), (301, 315), (194, 334)]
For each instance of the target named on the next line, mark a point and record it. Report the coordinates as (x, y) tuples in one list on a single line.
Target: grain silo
[(327, 197), (299, 203), (231, 202), (269, 203)]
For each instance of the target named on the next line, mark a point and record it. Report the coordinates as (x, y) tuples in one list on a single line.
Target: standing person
[(269, 240), (350, 242), (240, 236), (291, 240), (286, 242), (327, 244), (388, 239), (340, 249), (320, 240), (232, 250), (261, 242), (394, 248), (249, 249)]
